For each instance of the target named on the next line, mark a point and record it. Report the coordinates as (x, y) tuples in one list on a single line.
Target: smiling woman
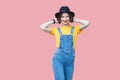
[(65, 18), (66, 36)]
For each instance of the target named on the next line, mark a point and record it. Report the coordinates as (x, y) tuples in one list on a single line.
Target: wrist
[(53, 21), (76, 20)]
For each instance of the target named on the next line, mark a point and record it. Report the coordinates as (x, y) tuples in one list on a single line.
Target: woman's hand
[(75, 20), (56, 21), (84, 23)]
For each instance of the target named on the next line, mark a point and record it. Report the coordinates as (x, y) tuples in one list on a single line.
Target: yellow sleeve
[(78, 30), (52, 31)]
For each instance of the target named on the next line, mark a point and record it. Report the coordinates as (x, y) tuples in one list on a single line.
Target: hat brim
[(58, 14)]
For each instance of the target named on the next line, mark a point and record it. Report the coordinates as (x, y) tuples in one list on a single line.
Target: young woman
[(66, 35)]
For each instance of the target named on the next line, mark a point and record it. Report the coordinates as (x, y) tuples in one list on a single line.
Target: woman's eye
[(67, 16)]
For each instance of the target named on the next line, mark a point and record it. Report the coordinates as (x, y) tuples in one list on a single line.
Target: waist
[(64, 50)]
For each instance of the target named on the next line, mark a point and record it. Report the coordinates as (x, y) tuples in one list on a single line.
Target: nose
[(65, 19)]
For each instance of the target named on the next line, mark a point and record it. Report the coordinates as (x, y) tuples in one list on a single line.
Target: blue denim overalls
[(63, 59)]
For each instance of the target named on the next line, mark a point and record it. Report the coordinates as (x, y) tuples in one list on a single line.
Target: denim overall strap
[(72, 31), (59, 30)]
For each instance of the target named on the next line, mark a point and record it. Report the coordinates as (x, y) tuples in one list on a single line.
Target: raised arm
[(84, 23), (44, 26)]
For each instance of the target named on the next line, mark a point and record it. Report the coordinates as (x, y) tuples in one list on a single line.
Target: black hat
[(64, 9)]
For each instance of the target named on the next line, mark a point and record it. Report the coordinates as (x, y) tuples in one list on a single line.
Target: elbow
[(88, 23), (41, 27)]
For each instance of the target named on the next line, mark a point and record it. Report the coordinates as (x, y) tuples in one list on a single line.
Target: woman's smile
[(65, 19)]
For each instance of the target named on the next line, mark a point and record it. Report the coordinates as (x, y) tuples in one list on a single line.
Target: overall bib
[(63, 59)]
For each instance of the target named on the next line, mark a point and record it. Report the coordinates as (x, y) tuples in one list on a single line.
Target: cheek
[(62, 19), (68, 18)]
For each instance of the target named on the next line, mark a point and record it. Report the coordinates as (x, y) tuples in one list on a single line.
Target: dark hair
[(59, 18)]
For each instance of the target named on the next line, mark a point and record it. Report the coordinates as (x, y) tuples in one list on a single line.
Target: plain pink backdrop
[(26, 51)]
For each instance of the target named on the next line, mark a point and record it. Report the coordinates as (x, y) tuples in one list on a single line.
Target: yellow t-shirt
[(65, 30)]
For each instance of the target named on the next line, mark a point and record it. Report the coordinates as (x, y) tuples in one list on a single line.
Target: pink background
[(26, 51)]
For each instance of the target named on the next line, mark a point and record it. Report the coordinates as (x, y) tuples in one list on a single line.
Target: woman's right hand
[(56, 21)]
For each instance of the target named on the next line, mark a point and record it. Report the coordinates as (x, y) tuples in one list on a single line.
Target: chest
[(66, 37), (65, 30)]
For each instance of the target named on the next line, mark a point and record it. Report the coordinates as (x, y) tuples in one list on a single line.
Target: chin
[(65, 23)]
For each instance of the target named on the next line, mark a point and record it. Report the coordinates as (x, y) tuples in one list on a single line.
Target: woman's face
[(65, 19)]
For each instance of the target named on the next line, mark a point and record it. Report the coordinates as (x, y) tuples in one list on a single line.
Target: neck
[(66, 24)]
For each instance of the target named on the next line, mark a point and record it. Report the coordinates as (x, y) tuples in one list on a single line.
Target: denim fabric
[(63, 59)]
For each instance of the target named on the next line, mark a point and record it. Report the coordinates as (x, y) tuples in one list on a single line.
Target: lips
[(64, 21)]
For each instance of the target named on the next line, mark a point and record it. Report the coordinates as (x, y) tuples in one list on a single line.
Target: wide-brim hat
[(64, 9)]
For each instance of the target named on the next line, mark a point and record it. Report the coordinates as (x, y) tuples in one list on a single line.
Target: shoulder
[(53, 30), (77, 29)]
